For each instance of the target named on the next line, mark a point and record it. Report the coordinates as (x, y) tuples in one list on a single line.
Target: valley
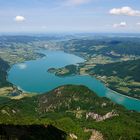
[(100, 54), (69, 69), (74, 111)]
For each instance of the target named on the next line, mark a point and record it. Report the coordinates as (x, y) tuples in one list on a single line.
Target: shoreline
[(114, 92)]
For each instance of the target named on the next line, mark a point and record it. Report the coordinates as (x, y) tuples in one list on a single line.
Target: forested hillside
[(75, 110), (3, 73), (123, 77), (104, 45), (120, 69)]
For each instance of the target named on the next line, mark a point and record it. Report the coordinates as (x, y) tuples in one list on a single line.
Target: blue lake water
[(32, 76)]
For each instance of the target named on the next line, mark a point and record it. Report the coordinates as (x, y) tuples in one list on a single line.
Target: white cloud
[(121, 24), (126, 10), (19, 19), (76, 2), (22, 66)]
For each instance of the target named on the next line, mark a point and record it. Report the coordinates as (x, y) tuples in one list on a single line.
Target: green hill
[(91, 45), (120, 76), (120, 69), (72, 109)]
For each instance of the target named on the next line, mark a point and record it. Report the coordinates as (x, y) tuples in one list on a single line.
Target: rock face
[(99, 118), (73, 136), (96, 135)]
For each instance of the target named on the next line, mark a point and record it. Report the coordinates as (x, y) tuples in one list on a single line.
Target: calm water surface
[(32, 76)]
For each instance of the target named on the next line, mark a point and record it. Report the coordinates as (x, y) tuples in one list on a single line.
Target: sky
[(70, 16)]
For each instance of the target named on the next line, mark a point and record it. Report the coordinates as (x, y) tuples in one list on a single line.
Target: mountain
[(75, 110)]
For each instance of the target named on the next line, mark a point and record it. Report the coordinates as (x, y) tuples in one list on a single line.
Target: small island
[(65, 71)]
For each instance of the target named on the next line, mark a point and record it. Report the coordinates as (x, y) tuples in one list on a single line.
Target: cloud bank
[(128, 11)]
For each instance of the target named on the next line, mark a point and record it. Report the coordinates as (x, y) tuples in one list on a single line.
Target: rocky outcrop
[(96, 135), (99, 118), (73, 136)]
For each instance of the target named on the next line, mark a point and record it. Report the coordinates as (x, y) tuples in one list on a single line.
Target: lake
[(32, 76)]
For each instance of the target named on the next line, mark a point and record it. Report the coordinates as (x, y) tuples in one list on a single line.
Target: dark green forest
[(66, 108), (4, 66)]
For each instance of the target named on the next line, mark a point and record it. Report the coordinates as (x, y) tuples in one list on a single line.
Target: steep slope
[(77, 111), (3, 73)]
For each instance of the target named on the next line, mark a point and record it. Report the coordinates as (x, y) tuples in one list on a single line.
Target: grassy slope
[(66, 108)]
